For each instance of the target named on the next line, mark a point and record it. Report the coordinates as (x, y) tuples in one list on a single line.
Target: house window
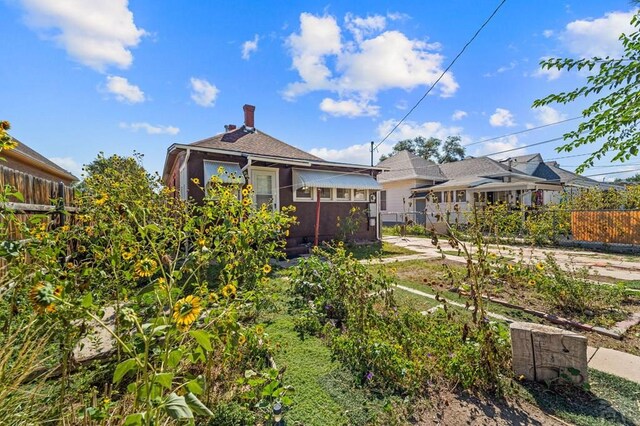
[(435, 197), (383, 200), (265, 186), (343, 194), (304, 193), (359, 195), (462, 196), (325, 193)]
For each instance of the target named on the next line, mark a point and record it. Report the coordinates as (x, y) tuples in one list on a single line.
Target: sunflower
[(201, 241), (259, 329), (128, 255), (245, 192), (266, 268), (540, 266), (532, 282), (229, 290), (43, 296), (145, 267), (186, 312), (246, 201), (195, 180), (102, 199), (249, 187), (213, 297), (220, 170), (242, 340)]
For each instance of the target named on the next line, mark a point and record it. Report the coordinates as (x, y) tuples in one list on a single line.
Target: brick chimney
[(248, 116), (229, 127)]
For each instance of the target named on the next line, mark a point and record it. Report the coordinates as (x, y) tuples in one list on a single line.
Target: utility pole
[(371, 153)]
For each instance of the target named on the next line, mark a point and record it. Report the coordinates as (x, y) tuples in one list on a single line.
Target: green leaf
[(18, 195), (164, 379), (87, 300), (249, 373), (134, 419), (174, 358), (196, 406), (177, 407), (123, 368), (203, 339), (194, 386)]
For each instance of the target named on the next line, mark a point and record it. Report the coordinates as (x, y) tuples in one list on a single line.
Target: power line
[(523, 131), (568, 156), (613, 173), (442, 74)]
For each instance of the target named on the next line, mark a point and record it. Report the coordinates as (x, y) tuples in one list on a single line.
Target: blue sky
[(84, 76)]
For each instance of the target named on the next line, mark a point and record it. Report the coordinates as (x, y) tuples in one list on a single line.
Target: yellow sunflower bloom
[(246, 201), (195, 180), (145, 267), (102, 199), (259, 329), (242, 340), (186, 312), (128, 255), (540, 266), (213, 297), (220, 170), (245, 192), (266, 268), (249, 187), (43, 296), (532, 282), (229, 290)]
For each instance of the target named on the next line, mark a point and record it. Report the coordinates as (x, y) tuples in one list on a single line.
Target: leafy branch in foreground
[(613, 118)]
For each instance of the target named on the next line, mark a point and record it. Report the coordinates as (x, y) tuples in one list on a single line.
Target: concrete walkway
[(622, 267)]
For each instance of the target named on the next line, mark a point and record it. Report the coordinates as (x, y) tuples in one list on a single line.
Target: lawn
[(379, 249)]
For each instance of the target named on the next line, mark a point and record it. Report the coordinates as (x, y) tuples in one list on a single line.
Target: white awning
[(322, 179), (232, 172)]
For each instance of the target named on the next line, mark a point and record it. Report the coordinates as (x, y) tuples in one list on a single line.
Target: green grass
[(611, 401), (632, 284), (383, 249), (414, 301), (324, 392)]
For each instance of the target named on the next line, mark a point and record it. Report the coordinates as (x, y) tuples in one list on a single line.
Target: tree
[(612, 118), (452, 150), (432, 149), (632, 179)]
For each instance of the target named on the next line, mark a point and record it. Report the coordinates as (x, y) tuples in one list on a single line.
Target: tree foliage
[(432, 149), (612, 118)]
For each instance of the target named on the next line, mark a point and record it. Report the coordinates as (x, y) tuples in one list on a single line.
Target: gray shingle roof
[(406, 165), (255, 142), (481, 166), (28, 152)]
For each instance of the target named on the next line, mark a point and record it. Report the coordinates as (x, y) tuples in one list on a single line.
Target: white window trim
[(276, 172), (184, 184), (334, 198)]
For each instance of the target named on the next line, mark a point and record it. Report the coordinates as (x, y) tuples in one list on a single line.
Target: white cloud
[(597, 37), (411, 129), (458, 115), (547, 33), (150, 129), (203, 93), (502, 69), (250, 46), (502, 118), (348, 108), (548, 115), (69, 164), (548, 73), (357, 154), (361, 27), (358, 68), (123, 90), (96, 33), (499, 145)]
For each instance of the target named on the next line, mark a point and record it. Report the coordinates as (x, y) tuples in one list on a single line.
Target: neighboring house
[(406, 171), (520, 181), (26, 160), (281, 175)]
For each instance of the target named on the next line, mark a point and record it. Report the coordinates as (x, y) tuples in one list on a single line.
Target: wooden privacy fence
[(606, 226), (35, 190)]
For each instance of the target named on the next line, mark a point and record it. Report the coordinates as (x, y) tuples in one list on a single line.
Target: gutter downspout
[(185, 164)]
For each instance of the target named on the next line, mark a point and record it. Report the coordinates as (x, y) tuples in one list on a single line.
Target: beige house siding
[(398, 190)]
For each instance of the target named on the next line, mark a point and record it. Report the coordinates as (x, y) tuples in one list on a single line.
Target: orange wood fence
[(606, 226)]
